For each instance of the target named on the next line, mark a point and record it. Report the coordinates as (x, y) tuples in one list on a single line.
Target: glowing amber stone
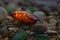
[(24, 16)]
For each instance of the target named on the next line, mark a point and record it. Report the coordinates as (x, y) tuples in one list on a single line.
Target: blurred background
[(46, 12)]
